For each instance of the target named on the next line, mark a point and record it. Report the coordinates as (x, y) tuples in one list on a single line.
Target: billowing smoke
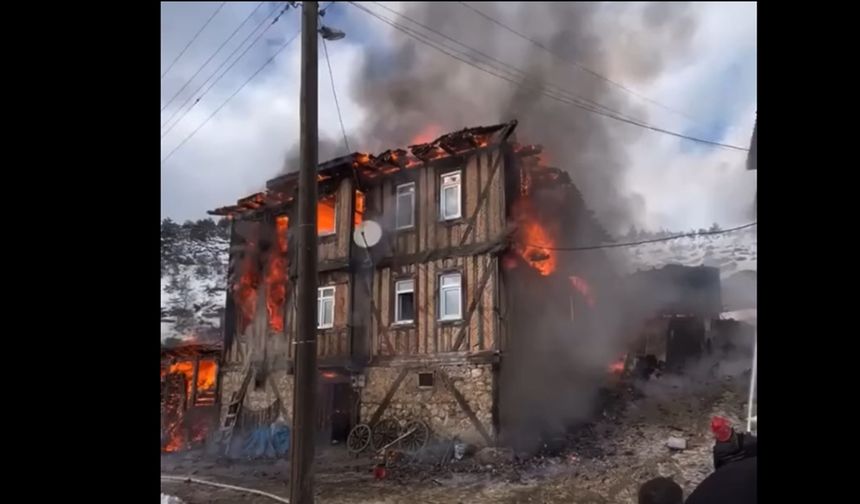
[(413, 86)]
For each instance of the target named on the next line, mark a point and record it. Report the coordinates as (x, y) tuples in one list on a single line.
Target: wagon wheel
[(418, 439), (384, 432), (358, 439)]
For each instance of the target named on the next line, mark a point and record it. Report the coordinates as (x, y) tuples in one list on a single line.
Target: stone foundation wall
[(231, 380), (435, 405)]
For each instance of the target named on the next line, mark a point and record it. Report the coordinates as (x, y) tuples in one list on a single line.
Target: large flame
[(326, 215), (207, 371), (535, 242), (276, 277)]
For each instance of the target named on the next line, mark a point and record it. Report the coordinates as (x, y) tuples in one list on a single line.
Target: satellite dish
[(367, 234)]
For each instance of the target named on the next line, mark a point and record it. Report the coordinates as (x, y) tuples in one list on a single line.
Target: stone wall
[(231, 380), (434, 405)]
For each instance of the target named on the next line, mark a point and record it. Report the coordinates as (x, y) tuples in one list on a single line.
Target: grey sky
[(683, 185)]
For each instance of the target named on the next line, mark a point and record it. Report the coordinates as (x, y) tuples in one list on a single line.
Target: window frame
[(397, 292), (442, 187), (441, 296), (320, 304), (397, 194)]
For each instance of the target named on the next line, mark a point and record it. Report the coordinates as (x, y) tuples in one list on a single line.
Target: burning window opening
[(326, 215), (535, 241)]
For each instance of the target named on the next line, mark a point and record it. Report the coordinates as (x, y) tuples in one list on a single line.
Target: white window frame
[(400, 288), (458, 287), (451, 180), (405, 190), (325, 294), (334, 220)]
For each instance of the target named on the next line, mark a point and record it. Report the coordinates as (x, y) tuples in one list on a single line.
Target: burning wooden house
[(189, 392), (430, 322)]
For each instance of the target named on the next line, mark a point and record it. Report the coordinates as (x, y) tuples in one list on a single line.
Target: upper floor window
[(405, 206), (449, 297), (450, 196), (404, 301), (325, 307)]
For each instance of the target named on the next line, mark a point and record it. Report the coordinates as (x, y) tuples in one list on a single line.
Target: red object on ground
[(379, 472), (721, 428)]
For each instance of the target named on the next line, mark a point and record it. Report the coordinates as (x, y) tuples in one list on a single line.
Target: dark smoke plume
[(412, 85)]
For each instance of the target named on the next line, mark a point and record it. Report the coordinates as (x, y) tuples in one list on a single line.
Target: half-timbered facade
[(415, 326)]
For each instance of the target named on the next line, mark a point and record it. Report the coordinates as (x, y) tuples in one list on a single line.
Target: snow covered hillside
[(731, 252), (194, 260)]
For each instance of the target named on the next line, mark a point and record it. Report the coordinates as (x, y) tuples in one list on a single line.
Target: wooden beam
[(465, 406), (485, 191), (387, 399), (476, 298)]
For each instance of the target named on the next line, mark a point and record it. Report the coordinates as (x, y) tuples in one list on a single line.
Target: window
[(425, 380), (405, 206), (449, 296), (404, 301), (450, 196), (325, 307), (326, 215)]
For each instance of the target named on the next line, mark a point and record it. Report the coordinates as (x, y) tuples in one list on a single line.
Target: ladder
[(234, 408), (752, 416)]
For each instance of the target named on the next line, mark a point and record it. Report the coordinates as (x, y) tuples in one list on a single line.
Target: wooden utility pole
[(304, 393)]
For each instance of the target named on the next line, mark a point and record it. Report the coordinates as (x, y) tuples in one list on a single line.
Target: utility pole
[(304, 392)]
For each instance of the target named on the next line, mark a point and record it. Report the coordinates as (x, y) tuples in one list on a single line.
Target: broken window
[(404, 302), (425, 380), (450, 196), (325, 307), (405, 206), (326, 215), (449, 297)]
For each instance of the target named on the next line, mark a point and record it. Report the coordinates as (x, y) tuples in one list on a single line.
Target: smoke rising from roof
[(413, 85)]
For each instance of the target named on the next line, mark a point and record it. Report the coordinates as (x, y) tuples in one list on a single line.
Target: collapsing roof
[(281, 190)]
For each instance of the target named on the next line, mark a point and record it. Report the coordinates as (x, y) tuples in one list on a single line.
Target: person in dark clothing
[(661, 491), (733, 483)]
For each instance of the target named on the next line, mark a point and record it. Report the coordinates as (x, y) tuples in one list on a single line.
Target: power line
[(572, 62), (548, 93), (186, 139), (212, 84), (516, 72), (642, 242), (193, 38), (334, 93)]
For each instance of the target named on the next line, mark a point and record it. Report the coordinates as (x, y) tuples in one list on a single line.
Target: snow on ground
[(731, 252), (169, 499)]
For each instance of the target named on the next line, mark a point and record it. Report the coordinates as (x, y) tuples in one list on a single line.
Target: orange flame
[(427, 134), (358, 216), (326, 215), (276, 277), (535, 241)]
